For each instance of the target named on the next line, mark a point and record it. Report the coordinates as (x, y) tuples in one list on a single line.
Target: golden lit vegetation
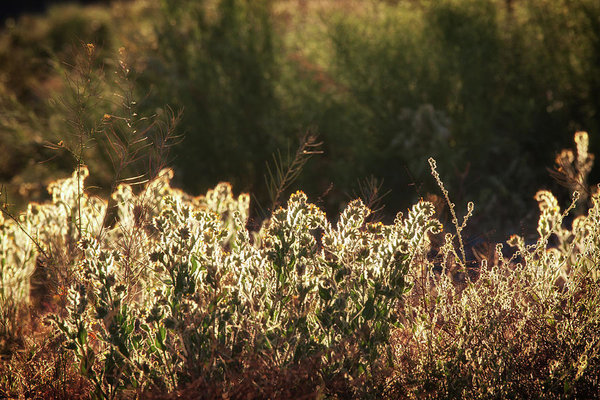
[(179, 293), (119, 285)]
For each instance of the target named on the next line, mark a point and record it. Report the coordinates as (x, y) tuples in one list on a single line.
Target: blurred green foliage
[(500, 84), (488, 88), (38, 67), (222, 69)]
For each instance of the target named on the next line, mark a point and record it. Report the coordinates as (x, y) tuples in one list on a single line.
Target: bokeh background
[(492, 89)]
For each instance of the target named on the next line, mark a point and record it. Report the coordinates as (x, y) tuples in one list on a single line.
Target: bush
[(485, 88), (193, 297), (488, 88), (179, 295), (222, 68)]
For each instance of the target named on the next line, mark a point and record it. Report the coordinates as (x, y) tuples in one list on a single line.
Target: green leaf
[(82, 336), (87, 361), (324, 319), (567, 387), (325, 293), (340, 304), (361, 369), (194, 265), (369, 309), (160, 338), (339, 275)]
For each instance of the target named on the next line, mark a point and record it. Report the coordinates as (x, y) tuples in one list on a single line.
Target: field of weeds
[(118, 281), (176, 297)]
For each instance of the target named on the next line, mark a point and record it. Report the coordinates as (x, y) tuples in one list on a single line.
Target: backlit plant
[(179, 291)]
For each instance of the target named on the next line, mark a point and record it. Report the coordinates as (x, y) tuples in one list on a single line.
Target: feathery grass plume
[(370, 192), (286, 169), (83, 94), (451, 206), (136, 140), (66, 228), (136, 145)]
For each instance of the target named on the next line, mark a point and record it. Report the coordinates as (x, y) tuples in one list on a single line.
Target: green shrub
[(523, 327), (487, 88), (178, 293), (219, 62), (197, 296)]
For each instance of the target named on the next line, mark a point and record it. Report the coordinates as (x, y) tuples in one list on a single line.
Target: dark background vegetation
[(492, 89), (14, 9)]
